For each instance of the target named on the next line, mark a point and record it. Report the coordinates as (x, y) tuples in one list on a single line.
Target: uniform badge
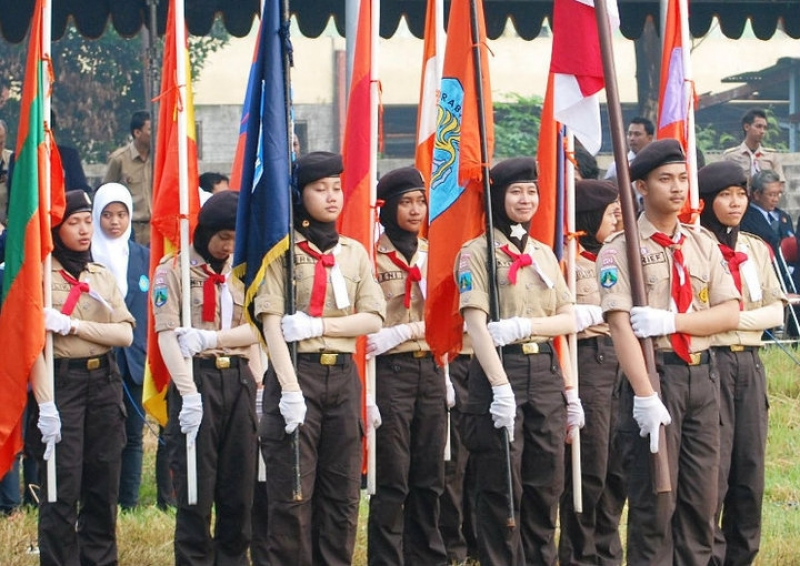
[(465, 282), (144, 284), (160, 296), (703, 295), (609, 277)]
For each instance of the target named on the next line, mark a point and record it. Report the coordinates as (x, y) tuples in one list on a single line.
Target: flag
[(28, 242), (429, 89), (262, 221), (577, 68), (456, 204), (547, 157), (165, 220)]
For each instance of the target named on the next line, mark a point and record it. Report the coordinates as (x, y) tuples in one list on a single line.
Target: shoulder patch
[(160, 294), (465, 281), (609, 276)]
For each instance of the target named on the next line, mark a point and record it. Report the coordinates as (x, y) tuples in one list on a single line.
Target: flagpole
[(494, 295), (688, 96), (660, 461), (572, 340), (183, 196), (375, 17), (47, 268)]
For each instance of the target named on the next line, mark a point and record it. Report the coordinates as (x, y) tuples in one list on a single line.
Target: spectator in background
[(640, 134), (5, 91), (586, 164), (130, 165), (6, 155), (212, 183), (750, 155), (74, 177), (763, 217)]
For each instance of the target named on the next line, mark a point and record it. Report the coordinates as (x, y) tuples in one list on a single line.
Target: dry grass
[(145, 536)]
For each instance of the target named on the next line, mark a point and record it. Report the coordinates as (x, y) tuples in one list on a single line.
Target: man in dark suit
[(763, 217)]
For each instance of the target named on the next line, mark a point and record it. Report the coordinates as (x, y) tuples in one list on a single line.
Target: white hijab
[(112, 252)]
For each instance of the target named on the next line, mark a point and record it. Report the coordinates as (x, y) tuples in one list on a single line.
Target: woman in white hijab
[(129, 262)]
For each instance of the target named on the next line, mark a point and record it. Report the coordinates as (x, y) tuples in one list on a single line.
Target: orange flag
[(165, 231), (456, 206), (543, 228), (429, 90)]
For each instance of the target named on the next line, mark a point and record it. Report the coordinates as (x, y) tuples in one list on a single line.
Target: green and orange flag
[(28, 243)]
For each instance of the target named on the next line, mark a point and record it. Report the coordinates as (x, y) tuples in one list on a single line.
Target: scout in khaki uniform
[(525, 392), (743, 384), (750, 155), (409, 389), (338, 300), (216, 409), (691, 296), (592, 537), (84, 414)]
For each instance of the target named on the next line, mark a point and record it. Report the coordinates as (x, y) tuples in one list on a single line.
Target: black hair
[(649, 127), (209, 179), (138, 120)]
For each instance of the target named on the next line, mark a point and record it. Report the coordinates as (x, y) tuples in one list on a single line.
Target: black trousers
[(320, 529), (456, 520), (403, 525), (676, 528), (537, 461), (592, 537), (743, 438), (226, 451), (87, 466)]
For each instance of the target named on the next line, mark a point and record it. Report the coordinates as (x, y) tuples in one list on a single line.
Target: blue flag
[(262, 222)]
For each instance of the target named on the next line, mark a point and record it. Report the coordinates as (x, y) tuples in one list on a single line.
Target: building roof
[(128, 16)]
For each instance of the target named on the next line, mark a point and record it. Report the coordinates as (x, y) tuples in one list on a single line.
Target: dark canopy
[(91, 16)]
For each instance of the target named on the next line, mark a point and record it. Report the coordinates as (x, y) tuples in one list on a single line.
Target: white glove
[(191, 415), (586, 316), (386, 339), (503, 408), (50, 426), (300, 326), (451, 392), (647, 321), (510, 330), (55, 321), (576, 418), (193, 340), (650, 413), (374, 420), (293, 408)]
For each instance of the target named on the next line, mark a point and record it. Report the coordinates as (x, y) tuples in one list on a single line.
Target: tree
[(516, 125), (98, 85)]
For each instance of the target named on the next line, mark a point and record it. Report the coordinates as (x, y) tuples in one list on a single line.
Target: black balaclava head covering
[(712, 180), (73, 261), (502, 175), (391, 187), (307, 169), (592, 197), (217, 214)]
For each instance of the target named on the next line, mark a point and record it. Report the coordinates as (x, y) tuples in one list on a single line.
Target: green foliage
[(516, 125), (99, 84), (709, 139)]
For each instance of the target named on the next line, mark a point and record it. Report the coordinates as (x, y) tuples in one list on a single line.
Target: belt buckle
[(530, 348), (695, 358), (420, 354), (328, 359), (92, 363), (222, 362), (737, 348)]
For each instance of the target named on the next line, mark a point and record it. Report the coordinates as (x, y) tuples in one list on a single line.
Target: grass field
[(145, 536)]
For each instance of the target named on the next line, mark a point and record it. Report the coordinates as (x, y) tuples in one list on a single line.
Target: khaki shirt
[(712, 283), (392, 280), (757, 252), (765, 158), (529, 298), (167, 300), (89, 309), (587, 292), (362, 289), (126, 166)]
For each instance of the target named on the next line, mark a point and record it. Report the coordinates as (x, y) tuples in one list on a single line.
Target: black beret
[(77, 201), (400, 181), (720, 175), (654, 155), (317, 165), (594, 195), (514, 170), (219, 212)]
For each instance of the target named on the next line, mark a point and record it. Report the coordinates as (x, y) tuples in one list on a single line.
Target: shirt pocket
[(700, 291)]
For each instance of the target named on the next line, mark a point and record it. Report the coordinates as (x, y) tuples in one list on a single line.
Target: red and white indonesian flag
[(577, 68)]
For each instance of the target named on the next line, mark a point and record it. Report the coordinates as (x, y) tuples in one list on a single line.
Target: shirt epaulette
[(166, 258)]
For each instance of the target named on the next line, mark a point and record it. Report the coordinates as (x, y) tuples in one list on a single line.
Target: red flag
[(165, 231), (429, 90), (456, 205), (28, 242), (578, 68)]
